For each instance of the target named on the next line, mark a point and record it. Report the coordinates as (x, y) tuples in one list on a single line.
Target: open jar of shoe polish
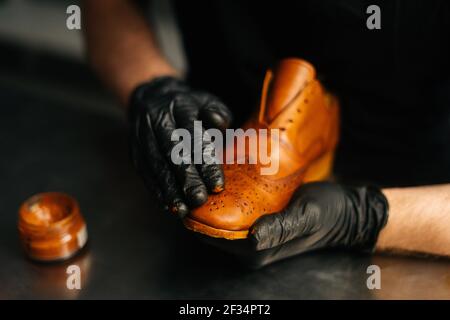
[(51, 227)]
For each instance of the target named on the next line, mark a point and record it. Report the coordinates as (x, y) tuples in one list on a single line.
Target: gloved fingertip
[(218, 188), (217, 184), (213, 178), (219, 120), (198, 198), (212, 118), (180, 209), (265, 231), (255, 237)]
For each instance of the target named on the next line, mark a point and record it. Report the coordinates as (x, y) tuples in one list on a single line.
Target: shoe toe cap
[(223, 211)]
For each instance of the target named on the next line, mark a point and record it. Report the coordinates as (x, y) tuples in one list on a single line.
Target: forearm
[(121, 46), (419, 220)]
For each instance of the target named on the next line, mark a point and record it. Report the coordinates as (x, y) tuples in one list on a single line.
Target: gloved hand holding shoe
[(319, 215), (158, 108), (322, 215)]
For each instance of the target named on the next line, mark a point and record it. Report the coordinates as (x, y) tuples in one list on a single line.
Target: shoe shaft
[(282, 86), (296, 104)]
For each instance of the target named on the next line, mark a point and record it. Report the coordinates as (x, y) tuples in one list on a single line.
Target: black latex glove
[(322, 215), (156, 109)]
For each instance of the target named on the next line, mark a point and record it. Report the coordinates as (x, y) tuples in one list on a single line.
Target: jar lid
[(51, 227)]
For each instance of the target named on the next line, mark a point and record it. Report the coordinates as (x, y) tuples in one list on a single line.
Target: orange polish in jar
[(51, 227)]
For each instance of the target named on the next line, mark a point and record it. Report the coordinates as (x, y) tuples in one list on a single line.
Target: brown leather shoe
[(294, 102)]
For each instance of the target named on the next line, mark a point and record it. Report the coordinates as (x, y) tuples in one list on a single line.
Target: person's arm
[(121, 47), (419, 220), (123, 51)]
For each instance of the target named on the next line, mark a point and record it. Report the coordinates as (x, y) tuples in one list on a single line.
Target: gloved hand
[(322, 215), (158, 108)]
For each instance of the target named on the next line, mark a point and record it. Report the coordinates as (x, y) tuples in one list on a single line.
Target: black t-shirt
[(393, 83)]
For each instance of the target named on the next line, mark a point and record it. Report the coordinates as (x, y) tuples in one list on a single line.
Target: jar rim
[(60, 200)]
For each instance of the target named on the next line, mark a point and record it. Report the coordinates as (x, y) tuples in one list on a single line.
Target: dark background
[(61, 131)]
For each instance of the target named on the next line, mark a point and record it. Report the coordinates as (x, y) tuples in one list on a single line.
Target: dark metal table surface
[(135, 249)]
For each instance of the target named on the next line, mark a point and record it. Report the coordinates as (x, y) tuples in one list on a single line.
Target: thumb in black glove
[(322, 215), (158, 108)]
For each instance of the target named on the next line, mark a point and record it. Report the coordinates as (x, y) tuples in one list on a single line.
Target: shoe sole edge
[(199, 227)]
